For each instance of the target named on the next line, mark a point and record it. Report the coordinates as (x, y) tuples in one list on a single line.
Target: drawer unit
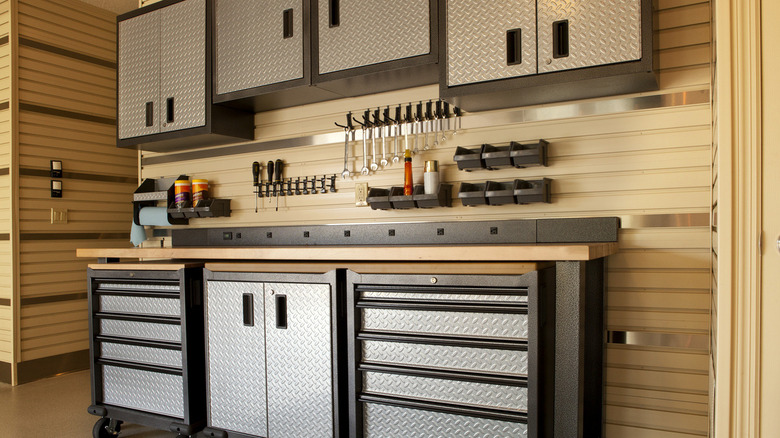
[(451, 355), (370, 46), (273, 355), (146, 347), (522, 52)]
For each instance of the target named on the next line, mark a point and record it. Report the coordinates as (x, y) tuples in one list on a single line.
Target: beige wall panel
[(659, 359), (60, 312), (86, 88), (692, 383), (658, 321), (36, 19), (666, 299), (98, 136), (45, 328), (56, 347), (47, 96), (78, 15), (619, 430), (681, 422), (684, 15), (57, 65)]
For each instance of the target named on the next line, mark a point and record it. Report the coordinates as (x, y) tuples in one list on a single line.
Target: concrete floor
[(56, 407)]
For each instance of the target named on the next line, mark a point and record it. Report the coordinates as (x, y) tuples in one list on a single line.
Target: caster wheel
[(102, 428)]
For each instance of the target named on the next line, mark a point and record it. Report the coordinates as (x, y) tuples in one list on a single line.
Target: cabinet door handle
[(334, 16), (169, 110), (287, 18), (514, 47), (281, 311), (149, 113), (561, 39), (249, 310)]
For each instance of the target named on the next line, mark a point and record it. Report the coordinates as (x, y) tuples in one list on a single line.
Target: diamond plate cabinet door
[(369, 46), (164, 81), (529, 52)]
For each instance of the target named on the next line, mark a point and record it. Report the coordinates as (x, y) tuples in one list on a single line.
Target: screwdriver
[(256, 181), (270, 170), (278, 178)]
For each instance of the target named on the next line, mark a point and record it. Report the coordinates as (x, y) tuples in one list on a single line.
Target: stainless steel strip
[(470, 121), (651, 339), (665, 220)]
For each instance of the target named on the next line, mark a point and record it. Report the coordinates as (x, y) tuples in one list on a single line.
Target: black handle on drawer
[(149, 113), (169, 110), (287, 18), (561, 39), (249, 310), (334, 15), (514, 47), (281, 311)]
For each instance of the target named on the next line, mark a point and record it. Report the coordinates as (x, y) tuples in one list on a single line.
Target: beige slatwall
[(712, 368), (6, 285), (645, 162), (49, 268)]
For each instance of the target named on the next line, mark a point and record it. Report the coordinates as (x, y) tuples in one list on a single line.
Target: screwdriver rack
[(276, 186)]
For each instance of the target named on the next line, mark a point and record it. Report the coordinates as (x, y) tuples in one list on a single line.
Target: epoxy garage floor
[(56, 407)]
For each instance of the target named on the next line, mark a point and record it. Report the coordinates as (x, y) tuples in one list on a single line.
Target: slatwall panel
[(6, 315), (67, 93), (714, 239), (632, 164)]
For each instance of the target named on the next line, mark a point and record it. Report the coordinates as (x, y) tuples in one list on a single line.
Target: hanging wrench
[(348, 128), (364, 170), (374, 165), (397, 131), (407, 126)]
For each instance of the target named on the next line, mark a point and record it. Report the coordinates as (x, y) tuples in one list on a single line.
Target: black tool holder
[(394, 198), (518, 155), (153, 190), (509, 192)]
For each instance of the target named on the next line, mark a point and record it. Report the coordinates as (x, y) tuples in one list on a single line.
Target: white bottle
[(431, 177)]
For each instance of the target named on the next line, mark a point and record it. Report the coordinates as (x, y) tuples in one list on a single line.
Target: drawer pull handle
[(287, 18), (249, 310), (514, 47), (169, 110), (149, 113), (334, 17), (281, 311), (561, 39)]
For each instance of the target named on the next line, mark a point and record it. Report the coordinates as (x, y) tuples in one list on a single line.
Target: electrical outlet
[(361, 194), (59, 215)]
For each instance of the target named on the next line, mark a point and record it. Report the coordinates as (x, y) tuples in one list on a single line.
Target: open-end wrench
[(380, 126), (429, 123), (374, 165), (364, 129), (348, 129), (418, 118), (397, 131), (445, 117), (407, 126), (385, 133)]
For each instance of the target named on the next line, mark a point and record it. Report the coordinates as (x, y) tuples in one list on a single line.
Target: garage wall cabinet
[(506, 54), (272, 354), (164, 92)]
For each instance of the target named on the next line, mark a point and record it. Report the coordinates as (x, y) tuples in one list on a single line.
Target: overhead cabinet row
[(203, 67)]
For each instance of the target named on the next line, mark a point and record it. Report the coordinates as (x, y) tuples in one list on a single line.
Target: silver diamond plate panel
[(477, 39), (144, 390), (447, 296), (143, 330), (445, 390), (488, 325), (144, 305), (299, 362), (382, 421), (600, 32), (140, 286), (235, 359), (138, 74), (150, 196), (183, 64), (137, 353), (373, 31), (251, 50), (506, 362)]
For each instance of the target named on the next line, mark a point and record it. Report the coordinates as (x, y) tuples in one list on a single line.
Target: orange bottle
[(408, 183)]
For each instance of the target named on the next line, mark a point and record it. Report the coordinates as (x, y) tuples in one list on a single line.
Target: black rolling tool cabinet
[(146, 347), (451, 355)]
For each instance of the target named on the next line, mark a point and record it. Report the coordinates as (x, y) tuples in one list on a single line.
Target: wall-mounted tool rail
[(276, 185)]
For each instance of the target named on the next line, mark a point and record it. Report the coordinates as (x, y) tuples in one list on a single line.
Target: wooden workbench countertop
[(537, 252)]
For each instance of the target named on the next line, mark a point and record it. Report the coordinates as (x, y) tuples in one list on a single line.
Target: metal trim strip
[(65, 52), (5, 236), (31, 301), (67, 114), (665, 220), (4, 40), (5, 301), (5, 105), (654, 339), (555, 112)]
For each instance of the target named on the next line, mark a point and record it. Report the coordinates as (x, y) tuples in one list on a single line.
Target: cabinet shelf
[(203, 208)]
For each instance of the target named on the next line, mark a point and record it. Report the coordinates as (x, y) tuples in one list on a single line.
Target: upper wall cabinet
[(164, 92), (369, 46), (262, 54), (500, 54)]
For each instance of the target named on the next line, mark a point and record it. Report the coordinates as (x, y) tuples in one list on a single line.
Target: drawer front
[(140, 305), (391, 30), (383, 421), (506, 362), (477, 40), (447, 296), (141, 354), (235, 357), (251, 50), (140, 330), (484, 325), (600, 32), (143, 390), (483, 395), (146, 287)]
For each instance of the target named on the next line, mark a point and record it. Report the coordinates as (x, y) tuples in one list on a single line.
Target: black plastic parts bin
[(487, 156), (500, 193), (468, 159), (497, 156), (394, 199), (528, 191), (472, 194), (442, 198), (530, 154), (518, 191), (204, 208)]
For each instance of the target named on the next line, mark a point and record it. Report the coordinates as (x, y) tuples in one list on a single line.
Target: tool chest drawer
[(472, 354), (146, 346)]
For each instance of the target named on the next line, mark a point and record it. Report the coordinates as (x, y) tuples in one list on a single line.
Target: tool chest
[(451, 355), (146, 349)]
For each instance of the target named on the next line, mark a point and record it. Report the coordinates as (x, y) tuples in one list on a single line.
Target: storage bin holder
[(487, 156), (528, 191), (469, 159), (472, 194), (500, 193), (394, 199), (529, 154), (496, 157), (153, 190), (204, 208)]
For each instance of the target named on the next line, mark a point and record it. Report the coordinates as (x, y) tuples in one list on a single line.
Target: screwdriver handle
[(256, 174), (278, 170)]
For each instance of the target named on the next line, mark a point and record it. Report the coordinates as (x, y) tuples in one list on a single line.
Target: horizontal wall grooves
[(73, 236), (31, 301), (67, 114), (25, 171), (4, 105), (4, 40), (65, 52)]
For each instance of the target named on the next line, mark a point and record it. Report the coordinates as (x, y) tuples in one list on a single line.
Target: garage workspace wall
[(651, 167), (61, 55)]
